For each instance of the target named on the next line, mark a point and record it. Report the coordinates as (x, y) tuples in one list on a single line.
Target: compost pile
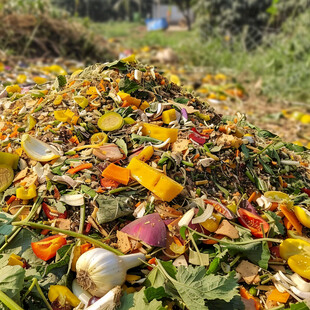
[(42, 35), (117, 157)]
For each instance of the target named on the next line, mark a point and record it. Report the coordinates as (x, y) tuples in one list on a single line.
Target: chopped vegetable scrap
[(121, 189)]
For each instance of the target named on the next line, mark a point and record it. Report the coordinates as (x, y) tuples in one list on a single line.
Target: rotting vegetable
[(117, 157)]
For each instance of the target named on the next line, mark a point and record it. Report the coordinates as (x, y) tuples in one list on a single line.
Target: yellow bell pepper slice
[(131, 58), (160, 133), (6, 177), (63, 295), (212, 224), (58, 100), (81, 101), (21, 78), (110, 121), (13, 89), (26, 194), (166, 188), (290, 247), (169, 116), (158, 183), (146, 153), (63, 115), (143, 173), (15, 260), (303, 215), (9, 159), (144, 105), (300, 264)]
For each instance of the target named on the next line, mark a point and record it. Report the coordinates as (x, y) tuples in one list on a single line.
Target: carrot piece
[(252, 197), (209, 241), (275, 295), (197, 156), (287, 224), (79, 168), (11, 199), (245, 294), (291, 218), (274, 205), (117, 173), (15, 132)]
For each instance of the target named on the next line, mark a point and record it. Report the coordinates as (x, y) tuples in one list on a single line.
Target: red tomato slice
[(253, 222), (47, 247)]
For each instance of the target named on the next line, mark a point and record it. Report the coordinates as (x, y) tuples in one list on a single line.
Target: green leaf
[(138, 301), (62, 258), (276, 228), (265, 166), (155, 293), (117, 64), (62, 81), (128, 86), (258, 253), (182, 100), (295, 147), (143, 139), (87, 190), (299, 306), (195, 287), (122, 144), (155, 278), (12, 281), (5, 227), (182, 232), (266, 134), (113, 208), (218, 304)]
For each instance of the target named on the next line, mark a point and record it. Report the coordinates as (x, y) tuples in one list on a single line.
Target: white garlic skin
[(99, 270)]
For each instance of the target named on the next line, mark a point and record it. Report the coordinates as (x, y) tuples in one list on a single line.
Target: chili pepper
[(48, 247), (214, 266), (48, 212), (87, 228), (79, 168)]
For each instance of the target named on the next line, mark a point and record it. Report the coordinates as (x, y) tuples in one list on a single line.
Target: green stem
[(235, 260), (30, 288), (233, 242), (196, 248), (82, 219), (69, 233), (9, 302), (42, 294), (16, 230)]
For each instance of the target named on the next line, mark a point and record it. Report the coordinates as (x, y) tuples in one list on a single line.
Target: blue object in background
[(153, 24)]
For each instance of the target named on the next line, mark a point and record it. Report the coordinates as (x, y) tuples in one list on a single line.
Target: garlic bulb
[(99, 270)]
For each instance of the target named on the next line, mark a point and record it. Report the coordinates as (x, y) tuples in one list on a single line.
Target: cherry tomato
[(253, 222), (47, 247)]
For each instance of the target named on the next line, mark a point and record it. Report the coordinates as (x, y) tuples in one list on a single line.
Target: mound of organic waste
[(45, 36), (211, 212)]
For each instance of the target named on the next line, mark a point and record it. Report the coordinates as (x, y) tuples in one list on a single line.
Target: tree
[(185, 7)]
